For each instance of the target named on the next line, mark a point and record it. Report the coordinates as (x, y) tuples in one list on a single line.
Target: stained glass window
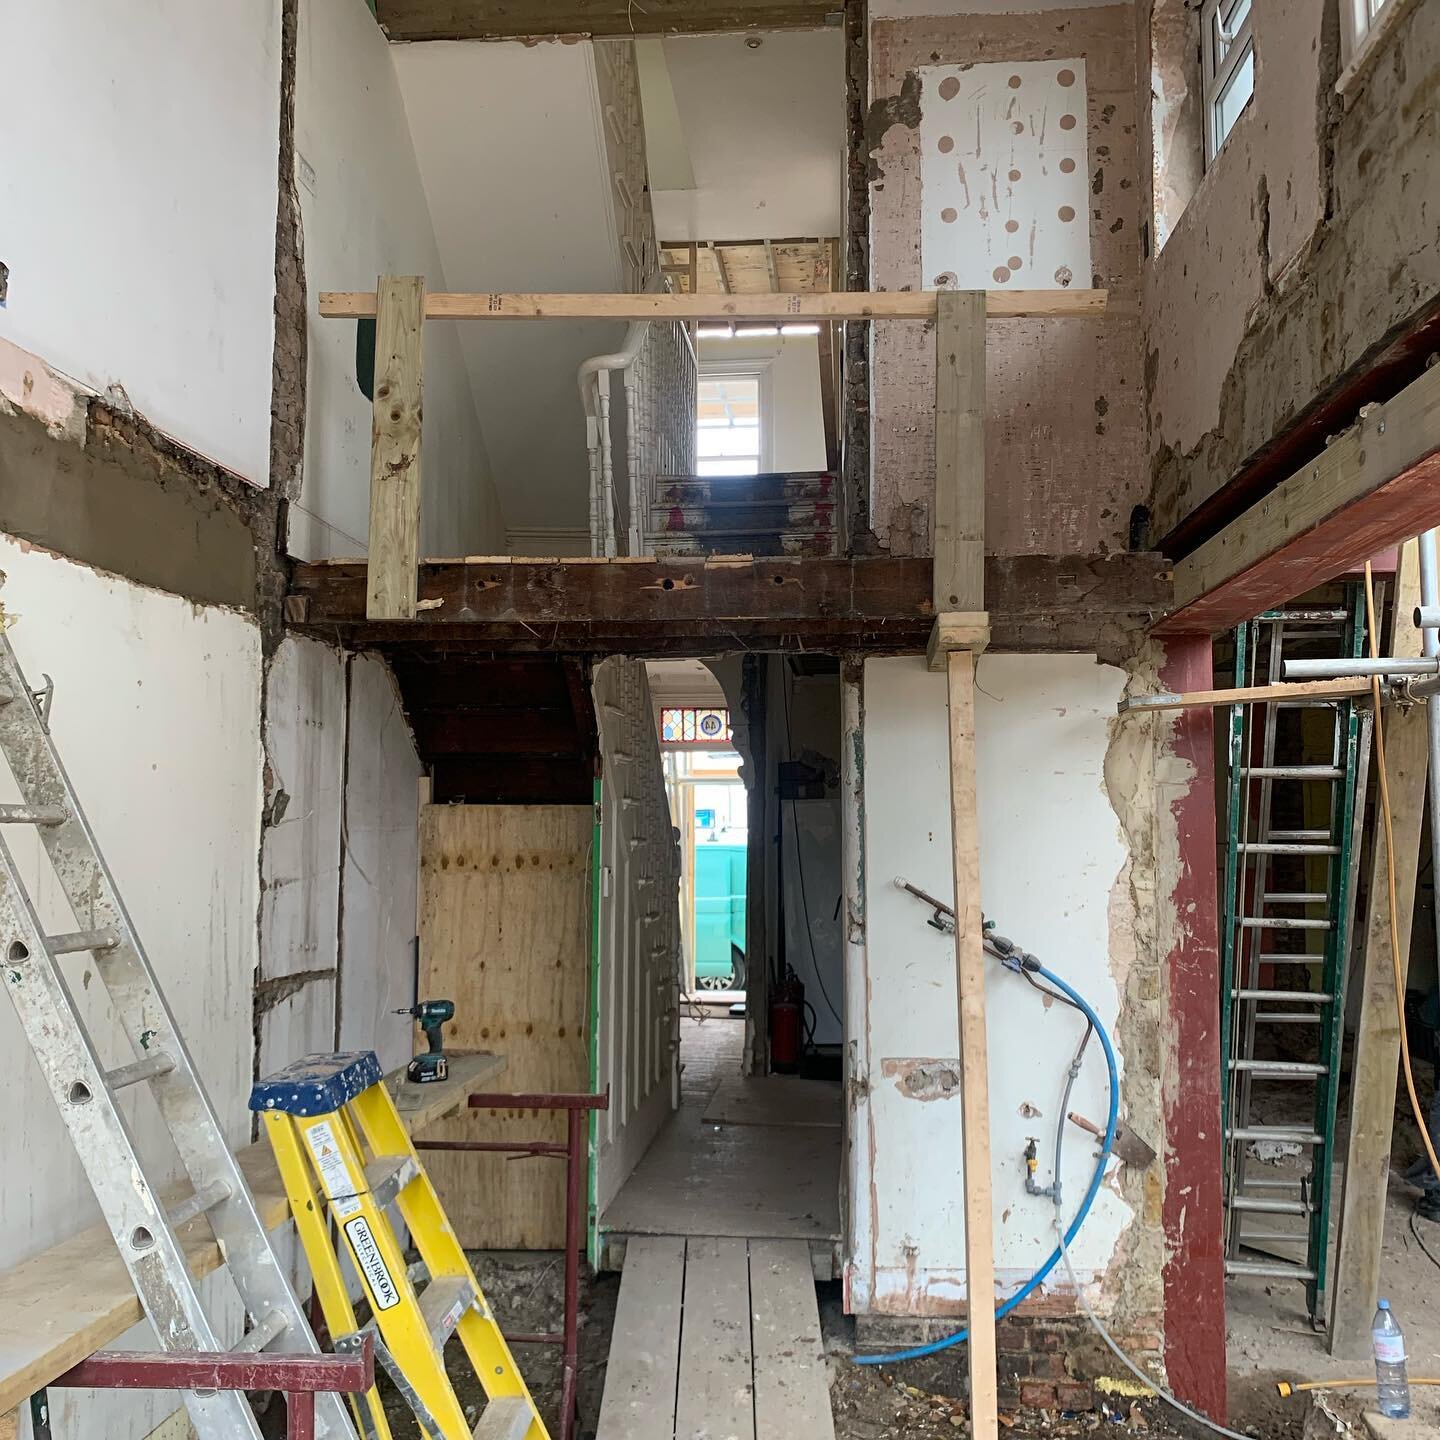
[(697, 725)]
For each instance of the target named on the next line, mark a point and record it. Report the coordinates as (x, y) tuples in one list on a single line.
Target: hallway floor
[(777, 1182)]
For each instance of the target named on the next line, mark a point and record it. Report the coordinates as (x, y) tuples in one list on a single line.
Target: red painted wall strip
[(1195, 1261)]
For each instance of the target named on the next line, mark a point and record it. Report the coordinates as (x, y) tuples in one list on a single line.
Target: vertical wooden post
[(394, 544), (1377, 1036), (960, 634), (959, 576), (974, 1060)]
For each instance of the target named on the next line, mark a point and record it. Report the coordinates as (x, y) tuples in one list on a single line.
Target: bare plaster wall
[(1070, 832), (1310, 241), (1065, 431)]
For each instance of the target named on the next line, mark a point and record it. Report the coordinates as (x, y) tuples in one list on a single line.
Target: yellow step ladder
[(341, 1146)]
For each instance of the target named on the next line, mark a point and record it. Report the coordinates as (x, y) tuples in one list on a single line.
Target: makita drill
[(432, 1065)]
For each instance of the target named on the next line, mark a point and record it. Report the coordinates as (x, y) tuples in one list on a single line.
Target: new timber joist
[(649, 607)]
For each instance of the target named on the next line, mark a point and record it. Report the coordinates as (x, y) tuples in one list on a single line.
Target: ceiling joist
[(523, 19)]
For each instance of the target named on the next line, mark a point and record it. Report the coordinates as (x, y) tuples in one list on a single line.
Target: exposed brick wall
[(1049, 1363), (1048, 1356)]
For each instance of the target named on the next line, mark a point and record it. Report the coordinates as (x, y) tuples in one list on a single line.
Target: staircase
[(779, 514)]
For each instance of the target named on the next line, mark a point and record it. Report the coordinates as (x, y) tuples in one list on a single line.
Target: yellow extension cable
[(1390, 872), (1284, 1386)]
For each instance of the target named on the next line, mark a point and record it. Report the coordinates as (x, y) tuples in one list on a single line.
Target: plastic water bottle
[(1392, 1383)]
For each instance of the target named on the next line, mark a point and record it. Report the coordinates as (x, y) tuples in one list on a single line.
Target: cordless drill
[(432, 1065)]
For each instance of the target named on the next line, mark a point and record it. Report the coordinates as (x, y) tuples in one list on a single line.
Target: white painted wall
[(765, 131), (381, 868), (793, 424), (156, 715), (138, 191), (365, 214), (1051, 850), (512, 154), (340, 862)]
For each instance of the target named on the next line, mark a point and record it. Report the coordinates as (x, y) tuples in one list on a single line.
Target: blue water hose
[(1107, 1144)]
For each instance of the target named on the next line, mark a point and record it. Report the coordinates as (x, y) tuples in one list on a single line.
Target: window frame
[(720, 368), (1216, 71), (1362, 34)]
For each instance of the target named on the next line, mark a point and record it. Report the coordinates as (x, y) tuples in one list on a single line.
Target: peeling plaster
[(1043, 376)]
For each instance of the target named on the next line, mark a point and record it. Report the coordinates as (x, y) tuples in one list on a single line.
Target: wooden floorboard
[(639, 1400), (792, 1391), (716, 1392)]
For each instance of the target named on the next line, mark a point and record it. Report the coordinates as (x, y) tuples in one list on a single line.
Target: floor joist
[(649, 607)]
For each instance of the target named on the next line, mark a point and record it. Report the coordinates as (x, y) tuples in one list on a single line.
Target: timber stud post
[(960, 632), (395, 448)]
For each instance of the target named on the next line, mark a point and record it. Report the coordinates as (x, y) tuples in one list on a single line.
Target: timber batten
[(654, 607)]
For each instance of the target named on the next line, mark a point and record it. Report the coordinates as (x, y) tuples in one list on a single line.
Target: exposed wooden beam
[(1376, 485), (704, 607), (1376, 1061), (829, 416), (719, 261), (520, 19), (1248, 695), (395, 447), (833, 305)]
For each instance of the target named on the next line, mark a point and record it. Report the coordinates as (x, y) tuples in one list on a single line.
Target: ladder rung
[(507, 1417), (1269, 1269), (1271, 847), (1293, 772), (445, 1301), (1265, 1132), (1286, 1017), (1262, 1206), (1290, 835), (270, 1328), (1295, 897), (1307, 997), (150, 1068), (33, 815), (1298, 957), (1281, 1069), (202, 1200), (78, 940), (1282, 922), (387, 1175)]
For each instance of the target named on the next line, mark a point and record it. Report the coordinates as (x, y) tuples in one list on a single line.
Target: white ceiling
[(765, 130), (507, 136)]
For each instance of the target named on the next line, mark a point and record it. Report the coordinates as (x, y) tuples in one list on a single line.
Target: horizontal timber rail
[(650, 607), (777, 308)]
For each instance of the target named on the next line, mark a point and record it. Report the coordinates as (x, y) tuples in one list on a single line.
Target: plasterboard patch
[(1004, 176)]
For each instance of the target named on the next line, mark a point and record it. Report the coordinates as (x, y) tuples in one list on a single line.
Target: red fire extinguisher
[(787, 1012)]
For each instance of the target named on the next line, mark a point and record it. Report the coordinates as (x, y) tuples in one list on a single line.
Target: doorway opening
[(752, 1147)]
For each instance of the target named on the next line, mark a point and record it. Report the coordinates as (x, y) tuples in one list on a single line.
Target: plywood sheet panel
[(505, 933)]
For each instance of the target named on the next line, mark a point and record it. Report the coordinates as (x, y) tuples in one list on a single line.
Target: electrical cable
[(1424, 1248), (1394, 904), (1106, 1145), (1127, 1362), (800, 864)]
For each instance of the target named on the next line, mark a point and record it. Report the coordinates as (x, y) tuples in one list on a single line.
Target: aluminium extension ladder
[(86, 1090), (333, 1125), (1297, 771)]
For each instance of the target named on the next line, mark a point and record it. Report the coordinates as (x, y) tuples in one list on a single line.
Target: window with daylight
[(728, 434), (1360, 19), (697, 725), (1228, 62)]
